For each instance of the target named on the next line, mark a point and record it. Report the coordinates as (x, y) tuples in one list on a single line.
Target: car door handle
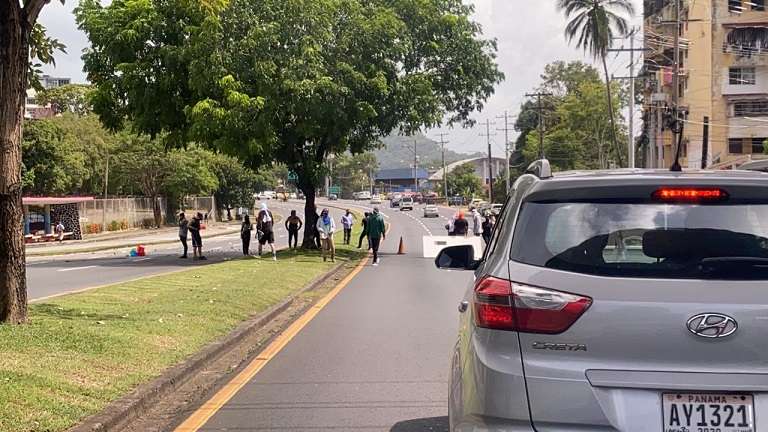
[(463, 306)]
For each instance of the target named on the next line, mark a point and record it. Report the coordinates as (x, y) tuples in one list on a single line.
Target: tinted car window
[(645, 240)]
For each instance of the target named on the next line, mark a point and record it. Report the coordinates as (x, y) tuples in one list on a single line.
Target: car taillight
[(504, 305)]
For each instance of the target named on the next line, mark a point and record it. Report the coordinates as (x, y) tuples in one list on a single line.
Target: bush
[(114, 226), (93, 228), (123, 224), (148, 223)]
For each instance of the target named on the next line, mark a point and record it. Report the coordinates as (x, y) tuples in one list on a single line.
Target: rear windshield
[(645, 240)]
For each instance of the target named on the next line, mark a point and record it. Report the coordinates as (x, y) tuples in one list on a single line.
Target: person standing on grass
[(197, 238), (265, 225), (245, 234), (364, 234), (348, 221), (293, 224), (376, 233), (183, 230), (326, 227)]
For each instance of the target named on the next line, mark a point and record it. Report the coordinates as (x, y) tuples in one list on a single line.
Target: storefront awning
[(54, 200)]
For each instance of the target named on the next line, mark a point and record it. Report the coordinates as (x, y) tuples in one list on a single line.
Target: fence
[(125, 213)]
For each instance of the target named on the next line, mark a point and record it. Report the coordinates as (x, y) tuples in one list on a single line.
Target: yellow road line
[(200, 417)]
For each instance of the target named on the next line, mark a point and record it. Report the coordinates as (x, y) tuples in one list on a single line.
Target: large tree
[(18, 33), (594, 24), (291, 81)]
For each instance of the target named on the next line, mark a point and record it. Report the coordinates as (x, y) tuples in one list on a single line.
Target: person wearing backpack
[(265, 226), (245, 234)]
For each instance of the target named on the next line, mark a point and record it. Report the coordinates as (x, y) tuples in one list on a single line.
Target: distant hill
[(398, 152)]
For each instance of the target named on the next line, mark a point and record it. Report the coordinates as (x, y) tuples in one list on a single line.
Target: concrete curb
[(126, 409)]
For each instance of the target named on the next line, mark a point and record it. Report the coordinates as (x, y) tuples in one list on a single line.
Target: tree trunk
[(14, 53), (157, 211), (610, 113), (310, 214)]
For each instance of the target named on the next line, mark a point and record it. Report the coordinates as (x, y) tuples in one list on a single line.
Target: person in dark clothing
[(197, 239), (316, 233), (460, 225), (488, 224), (245, 234), (364, 234), (183, 230), (293, 224), (377, 231)]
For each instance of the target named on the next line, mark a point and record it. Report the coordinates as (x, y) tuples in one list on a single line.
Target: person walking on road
[(348, 221), (326, 227), (197, 240), (183, 230), (477, 222), (265, 225), (364, 234), (460, 225), (376, 233), (293, 224), (488, 229), (245, 235)]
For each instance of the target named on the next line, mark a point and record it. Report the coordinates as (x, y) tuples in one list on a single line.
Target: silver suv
[(617, 301)]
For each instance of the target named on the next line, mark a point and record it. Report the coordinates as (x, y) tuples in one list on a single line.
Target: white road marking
[(141, 259), (76, 268)]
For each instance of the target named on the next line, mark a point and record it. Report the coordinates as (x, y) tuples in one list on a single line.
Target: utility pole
[(632, 77), (506, 146), (540, 109), (415, 168), (443, 142), (676, 124), (488, 136), (106, 189)]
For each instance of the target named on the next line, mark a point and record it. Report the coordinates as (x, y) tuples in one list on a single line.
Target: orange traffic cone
[(401, 247)]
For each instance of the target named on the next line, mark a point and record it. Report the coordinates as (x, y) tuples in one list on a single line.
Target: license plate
[(702, 412)]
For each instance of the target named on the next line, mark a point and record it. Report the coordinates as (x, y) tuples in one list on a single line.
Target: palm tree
[(594, 24)]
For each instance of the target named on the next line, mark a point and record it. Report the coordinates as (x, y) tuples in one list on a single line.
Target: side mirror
[(457, 258)]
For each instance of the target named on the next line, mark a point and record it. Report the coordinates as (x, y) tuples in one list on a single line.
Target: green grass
[(80, 352)]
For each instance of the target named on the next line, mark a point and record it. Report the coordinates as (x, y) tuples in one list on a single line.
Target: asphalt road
[(52, 276), (374, 359)]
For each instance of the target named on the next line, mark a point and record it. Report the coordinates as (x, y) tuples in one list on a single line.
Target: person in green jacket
[(376, 233)]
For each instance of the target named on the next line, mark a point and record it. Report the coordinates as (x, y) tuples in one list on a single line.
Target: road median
[(133, 341)]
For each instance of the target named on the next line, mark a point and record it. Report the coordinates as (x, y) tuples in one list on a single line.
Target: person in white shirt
[(348, 221), (477, 223), (326, 227)]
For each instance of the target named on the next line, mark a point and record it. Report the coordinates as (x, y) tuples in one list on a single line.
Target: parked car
[(406, 204), (430, 210), (394, 203), (333, 197), (376, 200), (456, 201), (605, 291)]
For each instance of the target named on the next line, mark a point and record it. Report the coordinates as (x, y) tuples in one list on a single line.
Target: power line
[(506, 130), (488, 136), (540, 109)]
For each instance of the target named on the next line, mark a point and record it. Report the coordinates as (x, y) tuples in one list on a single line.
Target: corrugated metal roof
[(401, 174)]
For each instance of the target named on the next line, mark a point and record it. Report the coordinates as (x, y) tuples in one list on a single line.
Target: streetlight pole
[(443, 142), (106, 189)]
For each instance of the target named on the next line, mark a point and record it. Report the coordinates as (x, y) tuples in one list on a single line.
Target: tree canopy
[(464, 181), (287, 81)]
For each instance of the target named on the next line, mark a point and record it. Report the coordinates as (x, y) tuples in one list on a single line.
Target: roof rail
[(540, 169)]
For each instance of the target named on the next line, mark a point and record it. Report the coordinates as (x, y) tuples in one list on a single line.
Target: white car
[(376, 200), (406, 204), (430, 210)]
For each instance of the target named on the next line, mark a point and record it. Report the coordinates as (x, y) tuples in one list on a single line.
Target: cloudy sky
[(529, 33)]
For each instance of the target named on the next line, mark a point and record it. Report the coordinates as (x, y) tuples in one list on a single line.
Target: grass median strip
[(82, 351)]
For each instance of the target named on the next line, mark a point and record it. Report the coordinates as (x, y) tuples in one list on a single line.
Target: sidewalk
[(123, 240)]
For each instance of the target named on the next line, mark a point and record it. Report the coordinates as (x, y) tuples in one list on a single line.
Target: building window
[(758, 5), (742, 76), (735, 6), (31, 101), (735, 146), (750, 109), (757, 145)]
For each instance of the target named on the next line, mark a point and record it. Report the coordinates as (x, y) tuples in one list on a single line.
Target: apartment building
[(33, 110), (723, 81)]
